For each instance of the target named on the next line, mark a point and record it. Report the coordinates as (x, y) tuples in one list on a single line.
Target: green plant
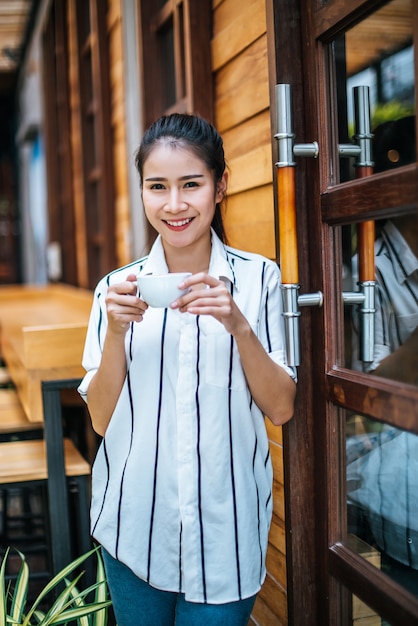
[(68, 603), (387, 112), (390, 111)]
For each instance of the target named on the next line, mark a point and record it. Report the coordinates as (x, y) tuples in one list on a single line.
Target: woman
[(182, 482)]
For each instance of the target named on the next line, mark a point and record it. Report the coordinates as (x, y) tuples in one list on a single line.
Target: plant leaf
[(100, 618), (3, 594), (76, 613), (63, 601), (59, 578), (39, 616), (20, 590)]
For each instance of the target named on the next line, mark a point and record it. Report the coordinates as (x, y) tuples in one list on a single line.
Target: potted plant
[(69, 604)]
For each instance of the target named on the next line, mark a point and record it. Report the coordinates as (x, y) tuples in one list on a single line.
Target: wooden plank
[(252, 169), (276, 452), (248, 25), (241, 87), (372, 197), (250, 134), (277, 535), (53, 346), (5, 378), (13, 419), (262, 614), (278, 499), (249, 221), (275, 598), (276, 565), (275, 433), (225, 12), (26, 461)]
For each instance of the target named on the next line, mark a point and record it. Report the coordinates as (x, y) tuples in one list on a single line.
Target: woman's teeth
[(179, 222)]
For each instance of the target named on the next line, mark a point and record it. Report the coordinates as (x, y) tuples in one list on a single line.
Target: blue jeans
[(136, 603)]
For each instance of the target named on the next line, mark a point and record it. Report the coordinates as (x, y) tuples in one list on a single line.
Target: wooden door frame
[(300, 433)]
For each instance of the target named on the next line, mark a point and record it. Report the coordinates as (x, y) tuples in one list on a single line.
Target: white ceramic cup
[(160, 290)]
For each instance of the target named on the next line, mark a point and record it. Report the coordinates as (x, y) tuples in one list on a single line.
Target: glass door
[(358, 219)]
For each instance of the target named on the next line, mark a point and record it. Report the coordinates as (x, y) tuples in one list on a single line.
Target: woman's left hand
[(210, 296), (271, 386)]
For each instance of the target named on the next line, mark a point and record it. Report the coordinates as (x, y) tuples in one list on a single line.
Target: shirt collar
[(219, 265), (406, 261)]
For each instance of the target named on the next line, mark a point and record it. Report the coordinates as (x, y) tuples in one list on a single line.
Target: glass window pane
[(382, 502), (378, 53), (395, 337), (363, 615)]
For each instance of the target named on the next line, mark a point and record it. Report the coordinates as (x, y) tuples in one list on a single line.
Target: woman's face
[(179, 195)]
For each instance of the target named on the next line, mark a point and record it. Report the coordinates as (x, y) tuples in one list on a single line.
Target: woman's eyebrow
[(162, 178)]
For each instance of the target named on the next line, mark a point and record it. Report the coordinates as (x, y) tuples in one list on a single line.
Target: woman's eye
[(157, 186), (191, 183)]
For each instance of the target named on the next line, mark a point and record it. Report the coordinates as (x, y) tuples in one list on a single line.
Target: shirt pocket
[(221, 368)]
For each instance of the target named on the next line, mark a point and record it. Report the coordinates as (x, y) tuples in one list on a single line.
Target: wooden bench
[(24, 467), (25, 461), (5, 378), (13, 420)]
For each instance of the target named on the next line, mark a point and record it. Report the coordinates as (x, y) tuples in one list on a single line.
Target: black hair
[(195, 133)]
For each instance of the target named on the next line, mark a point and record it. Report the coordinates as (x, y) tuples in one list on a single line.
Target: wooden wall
[(239, 53), (118, 121), (239, 58)]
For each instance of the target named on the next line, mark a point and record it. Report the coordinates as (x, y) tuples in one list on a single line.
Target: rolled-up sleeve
[(96, 333)]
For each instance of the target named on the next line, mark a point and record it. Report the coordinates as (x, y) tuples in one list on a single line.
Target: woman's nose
[(175, 202)]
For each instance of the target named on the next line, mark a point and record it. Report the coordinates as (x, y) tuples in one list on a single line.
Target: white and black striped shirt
[(182, 482)]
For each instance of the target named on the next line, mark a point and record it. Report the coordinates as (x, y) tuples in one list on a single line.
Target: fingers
[(200, 279), (207, 296), (123, 305)]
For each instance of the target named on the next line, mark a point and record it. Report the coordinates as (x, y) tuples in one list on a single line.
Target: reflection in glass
[(382, 502), (396, 319), (378, 53), (363, 614), (385, 64)]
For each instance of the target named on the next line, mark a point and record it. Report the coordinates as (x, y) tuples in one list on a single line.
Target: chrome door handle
[(362, 151), (287, 150), (289, 266)]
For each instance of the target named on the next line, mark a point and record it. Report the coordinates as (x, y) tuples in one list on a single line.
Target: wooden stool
[(24, 461), (14, 424), (5, 379), (23, 465)]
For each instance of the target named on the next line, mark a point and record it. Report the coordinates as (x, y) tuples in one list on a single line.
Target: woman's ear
[(221, 187)]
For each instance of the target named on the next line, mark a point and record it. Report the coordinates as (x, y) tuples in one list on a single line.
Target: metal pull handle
[(365, 230), (287, 150), (286, 188)]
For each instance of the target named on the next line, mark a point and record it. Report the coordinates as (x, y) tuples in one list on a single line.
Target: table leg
[(57, 482)]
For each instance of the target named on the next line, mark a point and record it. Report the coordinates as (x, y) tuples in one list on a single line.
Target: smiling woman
[(180, 394), (180, 194)]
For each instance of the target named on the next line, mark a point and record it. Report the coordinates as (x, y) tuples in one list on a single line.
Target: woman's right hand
[(123, 305)]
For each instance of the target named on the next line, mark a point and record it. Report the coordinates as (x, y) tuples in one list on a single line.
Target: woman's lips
[(178, 224)]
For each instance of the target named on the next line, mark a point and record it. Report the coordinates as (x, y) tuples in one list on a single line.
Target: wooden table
[(42, 334)]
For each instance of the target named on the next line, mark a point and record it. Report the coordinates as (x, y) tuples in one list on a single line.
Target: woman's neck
[(193, 259)]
